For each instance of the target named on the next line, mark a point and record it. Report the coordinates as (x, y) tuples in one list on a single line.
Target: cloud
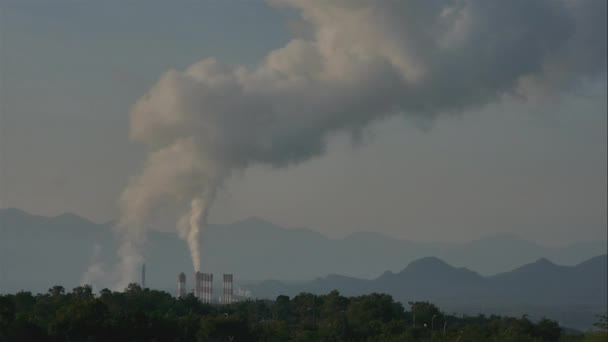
[(355, 62)]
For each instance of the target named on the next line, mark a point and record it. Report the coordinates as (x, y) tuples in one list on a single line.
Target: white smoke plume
[(96, 270), (353, 62)]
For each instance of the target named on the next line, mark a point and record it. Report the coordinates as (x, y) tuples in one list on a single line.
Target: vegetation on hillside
[(148, 315)]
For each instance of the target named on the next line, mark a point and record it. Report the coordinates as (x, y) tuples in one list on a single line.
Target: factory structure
[(203, 288)]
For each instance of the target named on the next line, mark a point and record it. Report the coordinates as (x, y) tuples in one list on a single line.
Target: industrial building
[(203, 287)]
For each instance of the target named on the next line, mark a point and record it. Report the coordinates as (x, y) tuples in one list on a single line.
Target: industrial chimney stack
[(203, 287), (197, 284), (181, 285), (227, 293), (207, 287), (143, 276)]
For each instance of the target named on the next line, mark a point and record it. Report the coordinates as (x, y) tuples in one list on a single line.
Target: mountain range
[(539, 283), (573, 295), (37, 252)]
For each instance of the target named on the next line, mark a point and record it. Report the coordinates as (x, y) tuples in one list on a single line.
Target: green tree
[(224, 328), (7, 316), (425, 314), (83, 292), (138, 314), (333, 322), (83, 320), (602, 322), (281, 310), (548, 330), (56, 291)]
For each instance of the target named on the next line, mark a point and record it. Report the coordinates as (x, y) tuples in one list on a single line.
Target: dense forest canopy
[(142, 314)]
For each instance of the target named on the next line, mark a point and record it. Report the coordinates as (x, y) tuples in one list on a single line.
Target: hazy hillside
[(537, 283), (571, 294), (37, 252)]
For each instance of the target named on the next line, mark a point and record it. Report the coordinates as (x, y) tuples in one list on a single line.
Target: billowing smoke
[(350, 63)]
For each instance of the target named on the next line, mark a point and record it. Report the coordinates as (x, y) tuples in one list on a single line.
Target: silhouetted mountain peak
[(435, 269), (428, 264), (544, 262), (541, 268), (13, 211), (65, 219), (12, 214)]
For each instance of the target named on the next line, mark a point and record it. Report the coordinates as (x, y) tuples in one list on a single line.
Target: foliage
[(138, 314), (602, 322)]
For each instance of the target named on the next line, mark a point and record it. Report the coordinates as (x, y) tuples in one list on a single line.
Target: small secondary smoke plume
[(353, 62), (96, 269)]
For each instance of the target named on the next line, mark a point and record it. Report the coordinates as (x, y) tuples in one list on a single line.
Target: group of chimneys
[(203, 287)]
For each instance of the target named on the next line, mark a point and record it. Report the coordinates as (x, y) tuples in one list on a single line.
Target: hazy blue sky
[(71, 70)]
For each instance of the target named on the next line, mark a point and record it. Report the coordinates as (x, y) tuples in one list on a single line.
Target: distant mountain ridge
[(432, 278), (573, 295), (37, 252)]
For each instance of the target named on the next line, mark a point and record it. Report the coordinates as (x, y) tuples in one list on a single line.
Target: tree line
[(142, 314)]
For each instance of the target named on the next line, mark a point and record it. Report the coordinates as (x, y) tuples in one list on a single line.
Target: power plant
[(203, 288)]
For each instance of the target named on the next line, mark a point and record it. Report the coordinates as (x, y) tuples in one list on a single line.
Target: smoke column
[(197, 218), (353, 62), (190, 227)]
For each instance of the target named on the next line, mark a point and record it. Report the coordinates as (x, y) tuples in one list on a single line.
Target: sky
[(72, 71)]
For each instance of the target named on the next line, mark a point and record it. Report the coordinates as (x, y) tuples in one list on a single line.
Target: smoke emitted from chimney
[(190, 224), (97, 268), (357, 62)]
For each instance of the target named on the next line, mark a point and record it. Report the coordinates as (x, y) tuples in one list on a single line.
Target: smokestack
[(207, 287), (210, 287), (227, 292), (181, 285), (204, 286), (197, 284), (143, 276)]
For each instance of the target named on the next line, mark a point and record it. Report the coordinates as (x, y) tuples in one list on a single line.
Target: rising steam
[(190, 227), (353, 62)]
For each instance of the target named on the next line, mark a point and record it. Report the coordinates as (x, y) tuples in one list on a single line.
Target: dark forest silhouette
[(138, 314)]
